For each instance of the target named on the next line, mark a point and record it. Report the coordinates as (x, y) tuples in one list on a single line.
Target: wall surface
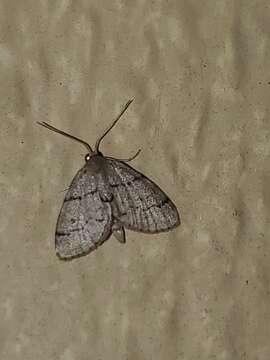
[(200, 75)]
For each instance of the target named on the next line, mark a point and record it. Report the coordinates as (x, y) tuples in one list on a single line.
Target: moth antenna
[(127, 160), (52, 128), (112, 125)]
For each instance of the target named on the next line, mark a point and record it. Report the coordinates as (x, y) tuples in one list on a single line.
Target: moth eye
[(87, 157)]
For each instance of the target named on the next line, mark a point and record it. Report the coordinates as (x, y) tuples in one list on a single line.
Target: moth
[(105, 197)]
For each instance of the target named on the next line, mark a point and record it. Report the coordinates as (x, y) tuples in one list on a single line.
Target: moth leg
[(119, 233), (128, 159)]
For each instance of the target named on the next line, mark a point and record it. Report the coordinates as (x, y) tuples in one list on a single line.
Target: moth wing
[(139, 204), (85, 219)]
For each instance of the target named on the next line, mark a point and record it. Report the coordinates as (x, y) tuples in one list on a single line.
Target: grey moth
[(105, 197)]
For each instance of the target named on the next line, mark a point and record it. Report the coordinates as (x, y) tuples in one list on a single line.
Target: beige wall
[(200, 75)]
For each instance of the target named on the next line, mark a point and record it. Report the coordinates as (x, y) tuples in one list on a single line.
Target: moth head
[(89, 155)]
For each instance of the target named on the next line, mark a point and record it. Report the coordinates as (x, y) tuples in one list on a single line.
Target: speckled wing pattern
[(140, 204), (106, 196), (85, 219)]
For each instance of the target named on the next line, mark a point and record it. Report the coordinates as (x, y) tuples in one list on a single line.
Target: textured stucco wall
[(199, 72)]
